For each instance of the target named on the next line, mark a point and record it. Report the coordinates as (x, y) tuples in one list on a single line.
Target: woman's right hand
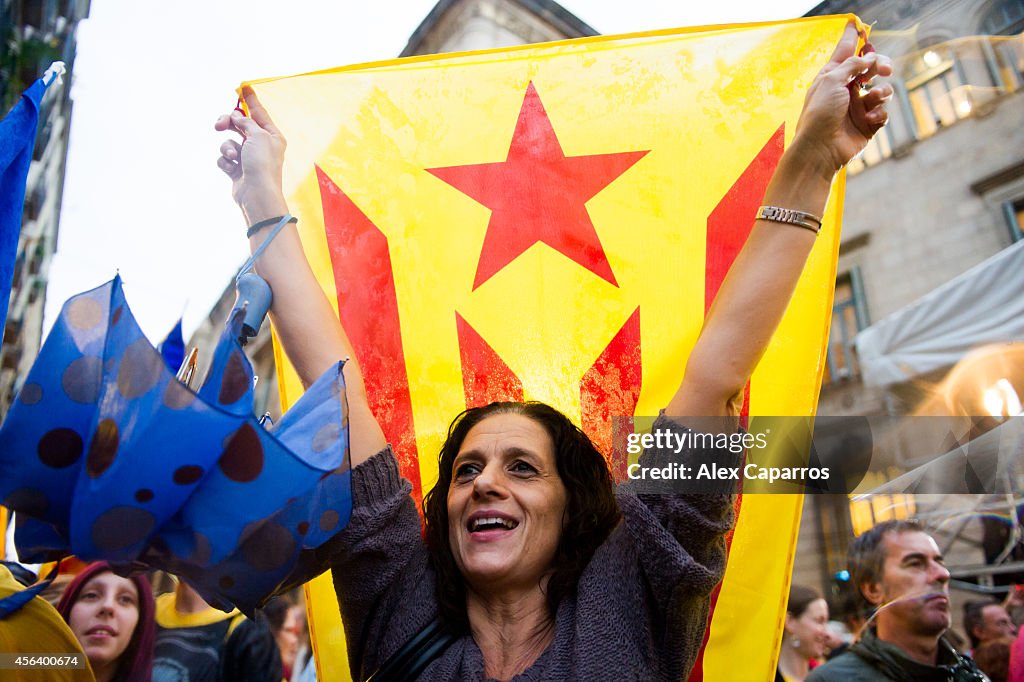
[(255, 164), (303, 319)]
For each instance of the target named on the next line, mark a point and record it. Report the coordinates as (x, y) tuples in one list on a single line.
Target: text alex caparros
[(711, 471)]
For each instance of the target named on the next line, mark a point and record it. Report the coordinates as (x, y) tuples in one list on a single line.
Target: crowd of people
[(133, 630), (138, 629), (902, 609), (530, 563)]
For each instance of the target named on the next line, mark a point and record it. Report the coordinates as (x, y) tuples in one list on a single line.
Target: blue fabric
[(172, 349), (17, 138), (105, 455), (13, 603)]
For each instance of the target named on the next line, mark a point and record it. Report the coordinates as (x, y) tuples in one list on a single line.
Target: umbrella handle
[(253, 295)]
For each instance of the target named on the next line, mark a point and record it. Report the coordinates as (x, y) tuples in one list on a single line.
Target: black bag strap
[(412, 659)]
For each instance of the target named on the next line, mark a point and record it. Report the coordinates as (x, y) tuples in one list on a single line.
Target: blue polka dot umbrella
[(106, 455)]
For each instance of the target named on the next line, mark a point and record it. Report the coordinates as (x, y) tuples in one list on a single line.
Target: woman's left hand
[(839, 119)]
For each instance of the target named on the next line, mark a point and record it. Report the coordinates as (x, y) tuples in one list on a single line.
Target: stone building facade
[(33, 34), (939, 191)]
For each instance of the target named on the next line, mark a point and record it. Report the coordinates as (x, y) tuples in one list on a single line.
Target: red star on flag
[(538, 194)]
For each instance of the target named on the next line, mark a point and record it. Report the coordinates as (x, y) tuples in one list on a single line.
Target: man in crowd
[(898, 569), (987, 621)]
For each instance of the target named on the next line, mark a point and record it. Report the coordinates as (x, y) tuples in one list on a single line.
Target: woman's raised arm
[(836, 123), (302, 316)]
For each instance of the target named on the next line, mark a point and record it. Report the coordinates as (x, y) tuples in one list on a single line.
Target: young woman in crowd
[(805, 637), (113, 618)]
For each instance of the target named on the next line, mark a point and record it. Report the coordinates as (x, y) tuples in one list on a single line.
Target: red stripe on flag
[(611, 388), (729, 226), (368, 308), (730, 223), (485, 376)]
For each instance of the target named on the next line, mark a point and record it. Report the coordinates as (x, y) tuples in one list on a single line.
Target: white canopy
[(983, 305)]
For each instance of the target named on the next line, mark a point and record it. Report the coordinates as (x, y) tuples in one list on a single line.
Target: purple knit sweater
[(639, 612)]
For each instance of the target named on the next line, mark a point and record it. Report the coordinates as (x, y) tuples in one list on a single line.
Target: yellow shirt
[(37, 628)]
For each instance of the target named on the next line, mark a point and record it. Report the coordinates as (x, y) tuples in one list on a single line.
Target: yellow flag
[(552, 222)]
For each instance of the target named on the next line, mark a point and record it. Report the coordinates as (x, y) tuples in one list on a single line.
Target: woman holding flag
[(533, 565)]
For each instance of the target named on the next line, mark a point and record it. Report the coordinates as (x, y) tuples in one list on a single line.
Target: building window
[(19, 271), (869, 511), (834, 526), (877, 150), (35, 263), (1008, 61), (42, 140), (37, 290), (11, 331), (1004, 18), (936, 89), (1015, 219), (34, 199), (10, 358), (33, 13), (849, 316)]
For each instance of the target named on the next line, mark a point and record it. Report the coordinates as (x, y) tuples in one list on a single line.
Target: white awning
[(983, 305)]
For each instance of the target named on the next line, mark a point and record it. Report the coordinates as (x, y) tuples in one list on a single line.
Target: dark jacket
[(872, 659)]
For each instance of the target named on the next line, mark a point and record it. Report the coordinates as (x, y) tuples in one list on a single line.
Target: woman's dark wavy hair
[(591, 511)]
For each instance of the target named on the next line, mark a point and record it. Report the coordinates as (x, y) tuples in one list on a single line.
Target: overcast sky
[(143, 195)]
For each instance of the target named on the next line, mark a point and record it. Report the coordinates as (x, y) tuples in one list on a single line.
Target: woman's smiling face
[(506, 504)]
